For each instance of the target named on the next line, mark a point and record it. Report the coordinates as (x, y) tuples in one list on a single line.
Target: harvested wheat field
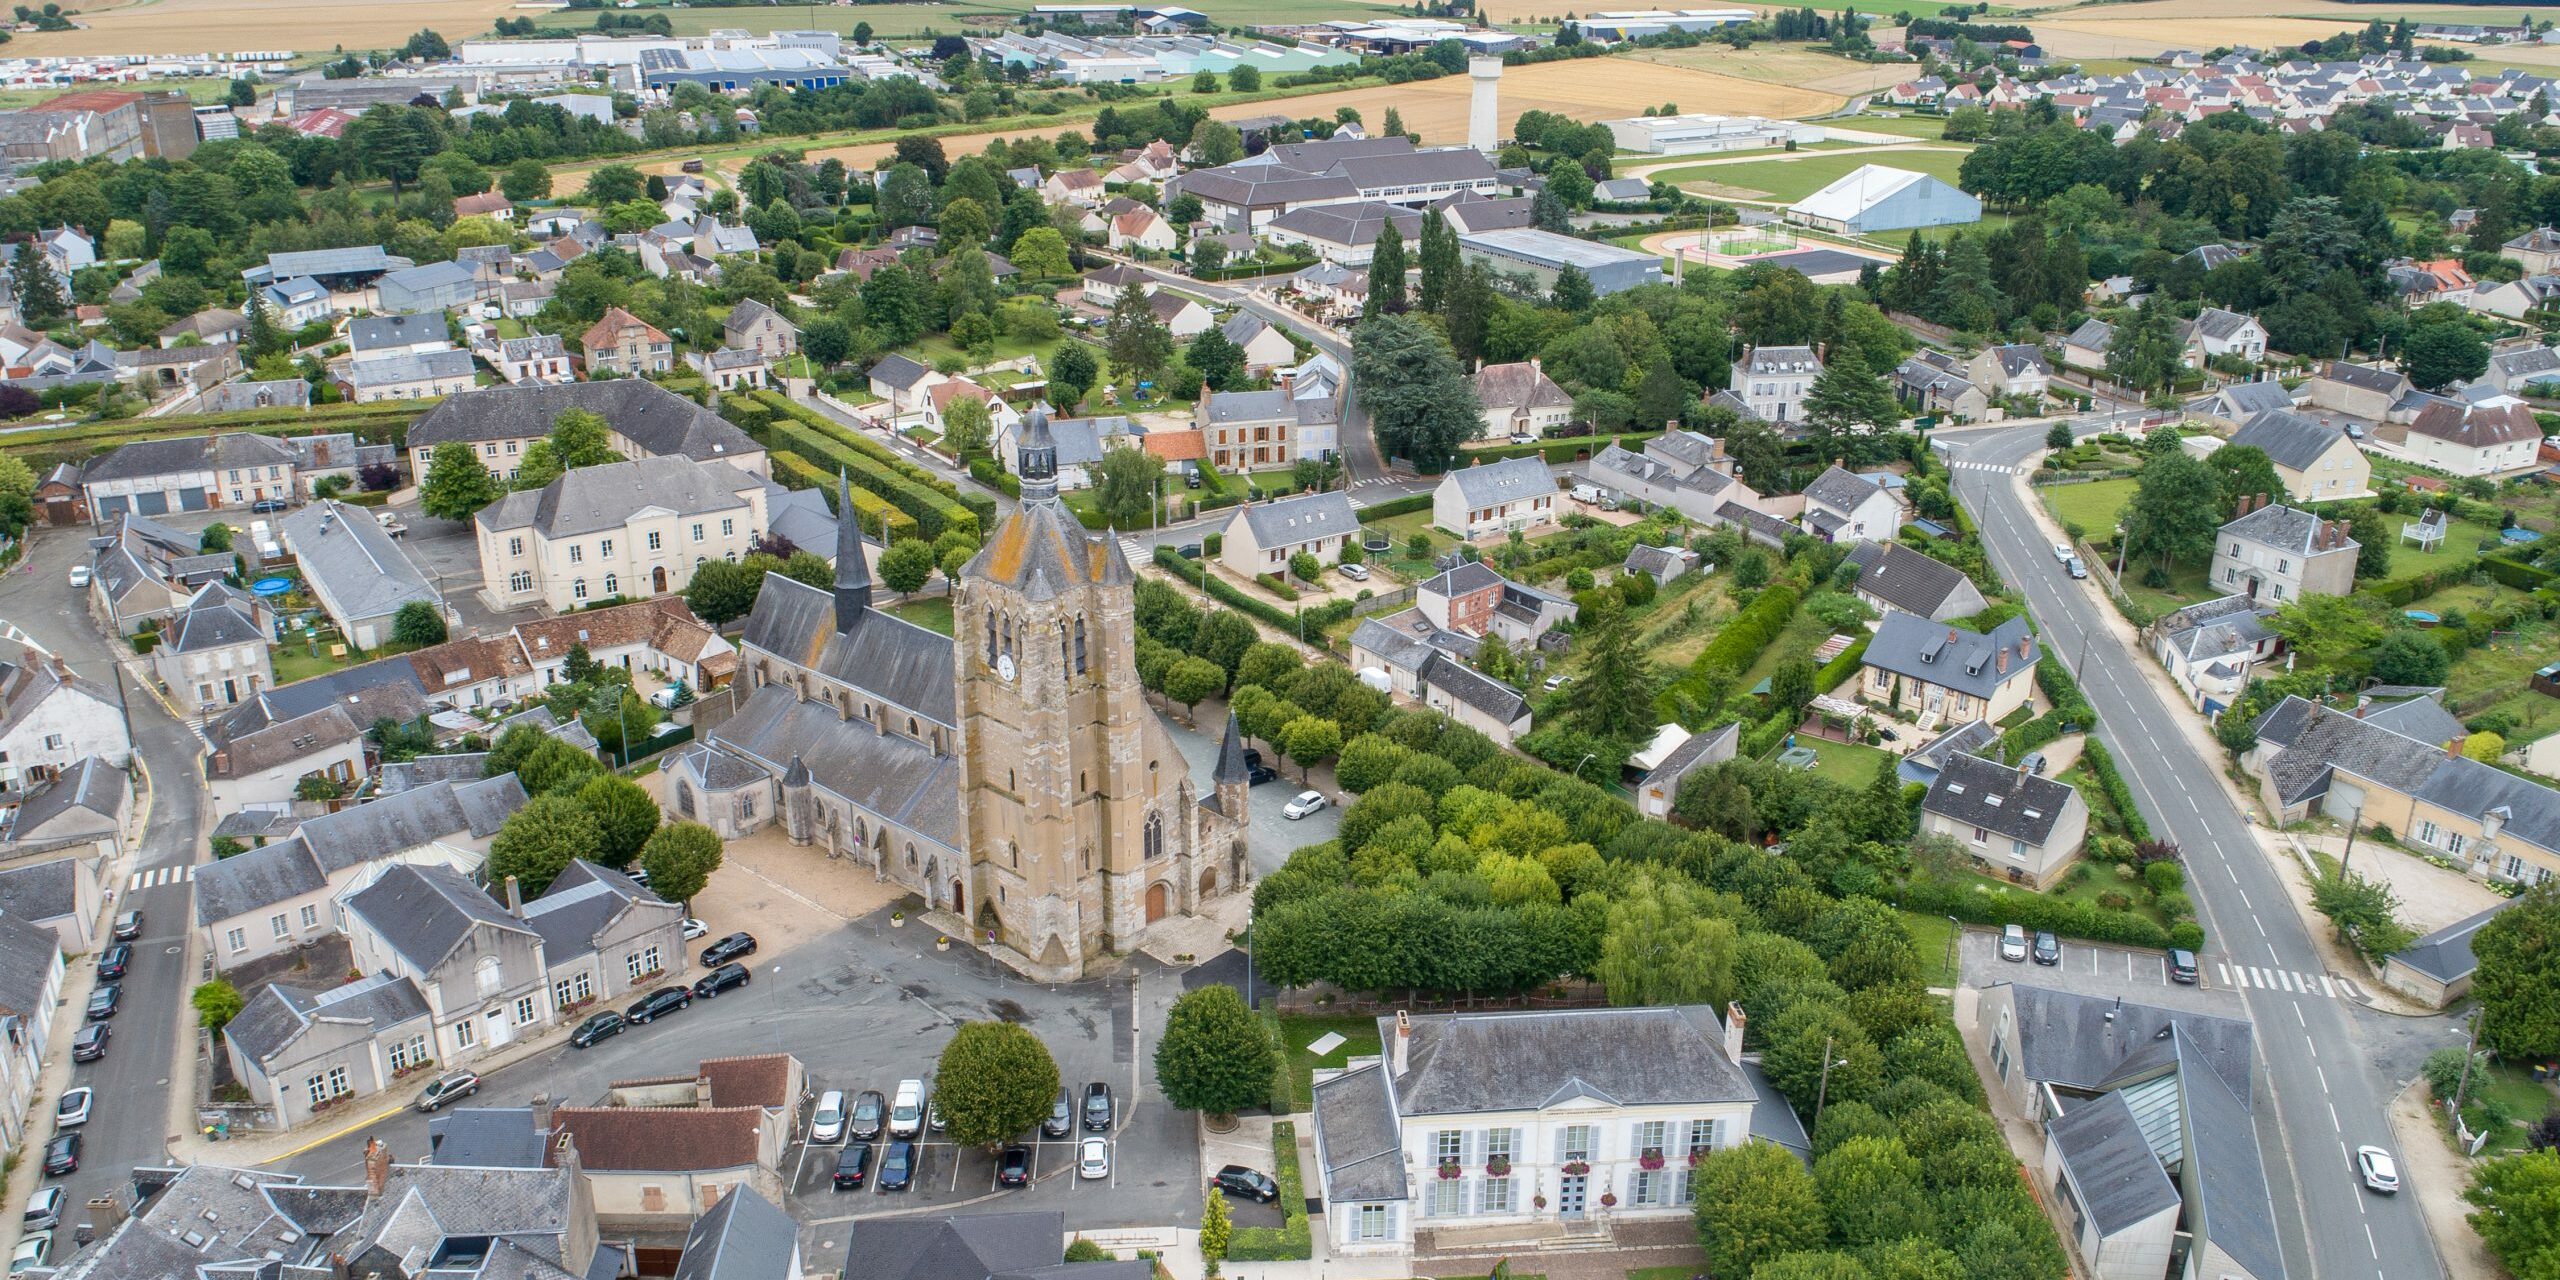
[(310, 26), (1799, 66), (1584, 89)]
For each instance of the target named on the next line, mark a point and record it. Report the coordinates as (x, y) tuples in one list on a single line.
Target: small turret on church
[(799, 811), (1233, 779)]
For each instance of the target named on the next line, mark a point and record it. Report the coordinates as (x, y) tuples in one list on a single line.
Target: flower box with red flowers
[(1649, 1160), (1449, 1169), (1576, 1168), (1498, 1167)]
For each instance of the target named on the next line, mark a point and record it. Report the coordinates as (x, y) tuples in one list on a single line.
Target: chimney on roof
[(2453, 746), (2000, 663), (2025, 644), (541, 1109), (1404, 1040), (1734, 1021), (1952, 633), (2262, 500), (515, 897), (564, 1152), (377, 1168)]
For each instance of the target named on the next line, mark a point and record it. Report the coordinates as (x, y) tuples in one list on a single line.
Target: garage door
[(191, 500), (154, 503), (110, 508)]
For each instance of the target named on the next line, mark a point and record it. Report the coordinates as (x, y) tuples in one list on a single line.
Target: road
[(151, 1048), (2320, 1082)]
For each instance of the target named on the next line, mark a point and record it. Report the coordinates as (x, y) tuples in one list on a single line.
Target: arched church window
[(1079, 644), (1155, 836), (991, 637)]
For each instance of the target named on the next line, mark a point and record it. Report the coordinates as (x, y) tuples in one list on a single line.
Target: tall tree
[(1660, 949), (994, 1080), (457, 484), (40, 301), (2442, 352), (1419, 400), (1215, 1056), (2145, 355), (1438, 256), (680, 858), (1755, 1202), (2244, 470), (540, 840), (2176, 507), (1386, 272), (1125, 486), (1140, 345), (2519, 967), (625, 816), (1618, 683)]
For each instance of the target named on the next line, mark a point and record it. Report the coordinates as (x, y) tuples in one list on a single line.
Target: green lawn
[(1794, 179), (2515, 1088), (1850, 764), (1930, 935), (1359, 1040), (933, 612), (2092, 506), (2461, 545)]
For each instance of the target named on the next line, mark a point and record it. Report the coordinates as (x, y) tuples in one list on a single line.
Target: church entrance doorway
[(658, 580), (1209, 883), (1156, 901), (959, 903)]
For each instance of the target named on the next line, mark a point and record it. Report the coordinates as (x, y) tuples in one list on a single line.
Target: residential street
[(2329, 1067), (144, 1084)]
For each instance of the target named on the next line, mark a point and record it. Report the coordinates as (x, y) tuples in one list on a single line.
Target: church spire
[(853, 572), (1036, 459)]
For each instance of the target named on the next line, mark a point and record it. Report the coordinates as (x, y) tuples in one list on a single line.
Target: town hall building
[(1015, 777)]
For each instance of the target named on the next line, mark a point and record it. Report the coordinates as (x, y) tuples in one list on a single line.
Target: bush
[(935, 504), (1839, 670), (1751, 631), (1320, 617), (2035, 911), (1394, 507), (792, 471), (2118, 794), (1288, 1242)]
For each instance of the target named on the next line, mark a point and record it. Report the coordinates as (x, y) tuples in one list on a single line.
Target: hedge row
[(378, 422), (879, 519), (2063, 691), (931, 514), (1842, 668), (2118, 794), (1565, 450), (2031, 910), (1317, 619), (985, 471), (1752, 630), (1394, 507), (2517, 574), (936, 503), (1290, 1241), (2408, 591)]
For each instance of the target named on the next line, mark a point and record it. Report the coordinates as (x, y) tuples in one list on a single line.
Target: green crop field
[(1797, 178), (1932, 128)]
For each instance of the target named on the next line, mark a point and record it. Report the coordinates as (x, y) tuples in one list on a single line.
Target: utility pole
[(1822, 1094), (2354, 820), (2469, 1051), (1954, 927)]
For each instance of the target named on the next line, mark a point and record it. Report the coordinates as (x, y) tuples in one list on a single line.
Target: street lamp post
[(1822, 1093), (2348, 859), (1586, 759), (1954, 927)]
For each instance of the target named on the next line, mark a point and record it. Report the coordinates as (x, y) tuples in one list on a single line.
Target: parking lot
[(2097, 969)]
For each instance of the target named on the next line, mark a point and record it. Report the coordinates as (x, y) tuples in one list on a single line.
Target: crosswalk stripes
[(2308, 984), (2002, 468), (159, 876), (1129, 547)]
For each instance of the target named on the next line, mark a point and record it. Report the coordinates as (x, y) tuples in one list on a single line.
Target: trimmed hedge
[(1752, 630), (2063, 691), (2103, 766), (1565, 450), (2029, 909), (1288, 1242), (931, 516), (792, 471), (1394, 507), (1843, 667), (1226, 593), (986, 471), (936, 504)]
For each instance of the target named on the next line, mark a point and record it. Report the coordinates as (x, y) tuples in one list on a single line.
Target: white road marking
[(2317, 1070), (2333, 1124), (2297, 1016), (159, 876), (2326, 988), (2222, 973), (2262, 925), (2369, 1245), (2244, 896)]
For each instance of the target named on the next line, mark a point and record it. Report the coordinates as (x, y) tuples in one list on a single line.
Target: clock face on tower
[(1004, 668)]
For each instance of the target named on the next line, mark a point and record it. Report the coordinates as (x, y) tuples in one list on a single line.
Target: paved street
[(135, 1104), (2328, 1065)]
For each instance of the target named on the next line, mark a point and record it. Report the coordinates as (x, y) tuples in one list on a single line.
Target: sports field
[(1794, 179), (1584, 89), (1797, 65)]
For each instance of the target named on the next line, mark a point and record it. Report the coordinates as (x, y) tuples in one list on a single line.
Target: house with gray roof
[(1462, 1117), (633, 528), (2315, 460), (1660, 789), (1027, 1245), (2012, 823), (1894, 577), (478, 965), (744, 1237), (1772, 382), (1516, 494), (2412, 713), (2216, 332), (2236, 403), (1399, 646), (1945, 674), (31, 973), (2517, 370), (213, 654), (2210, 648), (357, 572), (413, 333), (1682, 470), (1519, 399), (1491, 707), (1473, 600), (2360, 391), (52, 719), (604, 936), (407, 375), (2277, 553), (2013, 369), (354, 1040), (2436, 970), (645, 420), (1662, 564), (58, 894), (1262, 537), (84, 807), (1842, 506), (188, 473), (1266, 347), (2311, 758), (280, 896), (2112, 1083)]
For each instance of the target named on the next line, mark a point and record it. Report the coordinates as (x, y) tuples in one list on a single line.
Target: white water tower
[(1483, 131)]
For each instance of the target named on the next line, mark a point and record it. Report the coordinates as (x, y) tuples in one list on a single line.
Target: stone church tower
[(1078, 809)]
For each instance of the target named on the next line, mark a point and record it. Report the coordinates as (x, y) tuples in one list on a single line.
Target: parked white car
[(826, 1124), (2374, 1165), (1093, 1158), (1306, 803), (79, 575)]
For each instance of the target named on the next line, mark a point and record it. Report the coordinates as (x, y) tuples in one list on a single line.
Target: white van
[(906, 1112), (1589, 493)]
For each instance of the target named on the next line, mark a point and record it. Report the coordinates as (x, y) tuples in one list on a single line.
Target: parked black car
[(1252, 1184), (104, 1002), (1062, 1116), (853, 1164), (2182, 966), (266, 506), (728, 949), (62, 1155), (870, 1114), (600, 1026), (719, 980), (898, 1168), (658, 1004), (91, 1044), (1098, 1110), (2048, 948), (1013, 1168), (112, 962)]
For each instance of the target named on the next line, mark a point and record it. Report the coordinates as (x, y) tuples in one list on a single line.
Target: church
[(1015, 776)]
